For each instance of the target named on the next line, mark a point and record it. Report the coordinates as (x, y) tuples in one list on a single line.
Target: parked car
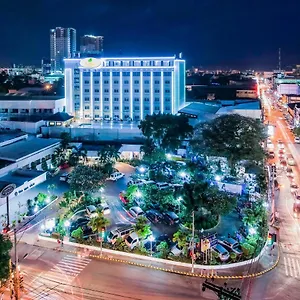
[(222, 253), (297, 140), (170, 218), (176, 250), (293, 186), (231, 245), (119, 232), (105, 208), (280, 144), (132, 240), (64, 177), (116, 176), (136, 211), (163, 238), (289, 172), (154, 216), (283, 163), (290, 160), (78, 223), (91, 210), (123, 198), (135, 182), (271, 154)]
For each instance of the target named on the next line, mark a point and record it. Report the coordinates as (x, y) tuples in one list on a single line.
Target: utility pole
[(222, 292), (193, 240)]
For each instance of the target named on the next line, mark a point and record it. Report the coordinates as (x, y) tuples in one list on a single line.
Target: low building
[(288, 89)]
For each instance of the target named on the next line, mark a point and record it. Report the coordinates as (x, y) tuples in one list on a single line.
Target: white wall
[(28, 127), (288, 89)]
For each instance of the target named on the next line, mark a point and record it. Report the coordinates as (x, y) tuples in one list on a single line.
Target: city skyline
[(200, 30)]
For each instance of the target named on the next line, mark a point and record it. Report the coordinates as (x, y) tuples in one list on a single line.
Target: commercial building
[(288, 89), (46, 66), (124, 88), (62, 45), (91, 45)]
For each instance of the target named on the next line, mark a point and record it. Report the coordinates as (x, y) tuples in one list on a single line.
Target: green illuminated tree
[(5, 247)]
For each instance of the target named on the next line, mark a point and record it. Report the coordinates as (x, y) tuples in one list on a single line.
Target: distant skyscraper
[(46, 66), (62, 45), (91, 45)]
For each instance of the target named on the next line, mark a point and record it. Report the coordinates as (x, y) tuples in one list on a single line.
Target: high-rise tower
[(91, 45)]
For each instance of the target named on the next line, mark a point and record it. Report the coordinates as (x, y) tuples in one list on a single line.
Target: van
[(135, 182), (222, 253), (231, 245), (170, 218), (290, 160), (116, 176), (91, 210), (120, 232), (64, 177), (132, 240), (162, 185)]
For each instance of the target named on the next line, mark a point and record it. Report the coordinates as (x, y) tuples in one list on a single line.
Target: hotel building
[(124, 88)]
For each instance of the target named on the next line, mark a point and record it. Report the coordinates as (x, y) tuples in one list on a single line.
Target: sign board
[(205, 245), (212, 238), (7, 190), (91, 62)]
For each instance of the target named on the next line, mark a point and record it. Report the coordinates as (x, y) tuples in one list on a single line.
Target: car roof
[(220, 248), (171, 214), (91, 207), (134, 235), (231, 240), (136, 208)]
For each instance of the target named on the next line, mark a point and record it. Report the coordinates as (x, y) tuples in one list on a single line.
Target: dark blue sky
[(211, 33)]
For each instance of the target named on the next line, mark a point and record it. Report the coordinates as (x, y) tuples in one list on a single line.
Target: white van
[(120, 232), (116, 176), (132, 240)]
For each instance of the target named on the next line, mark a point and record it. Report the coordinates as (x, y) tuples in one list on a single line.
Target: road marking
[(290, 267), (298, 266), (294, 267), (285, 266)]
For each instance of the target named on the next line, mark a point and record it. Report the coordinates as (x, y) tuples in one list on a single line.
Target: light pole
[(67, 226), (4, 193), (151, 239)]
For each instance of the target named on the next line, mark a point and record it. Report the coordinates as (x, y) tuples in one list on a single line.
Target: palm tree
[(59, 156), (78, 155), (108, 154), (98, 222)]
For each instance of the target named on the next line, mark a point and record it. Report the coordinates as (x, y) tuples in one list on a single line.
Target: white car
[(105, 208), (64, 177), (116, 176), (175, 250), (297, 139), (136, 211)]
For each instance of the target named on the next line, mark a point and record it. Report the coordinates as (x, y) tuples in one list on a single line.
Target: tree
[(33, 165), (232, 136), (163, 250), (142, 228), (108, 154), (77, 234), (131, 192), (181, 238), (51, 188), (77, 155), (167, 131), (5, 247), (41, 198), (59, 157), (65, 140), (86, 179), (297, 131), (44, 164), (98, 222)]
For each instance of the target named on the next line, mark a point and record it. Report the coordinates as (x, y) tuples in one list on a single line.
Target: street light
[(252, 230), (36, 208), (182, 174), (169, 156), (218, 178), (151, 239), (138, 194), (142, 169)]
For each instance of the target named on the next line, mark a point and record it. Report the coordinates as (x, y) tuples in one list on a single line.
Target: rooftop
[(59, 117), (6, 135), (196, 108), (22, 149), (27, 97)]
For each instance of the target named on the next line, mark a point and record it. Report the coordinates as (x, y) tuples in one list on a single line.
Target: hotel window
[(117, 63), (116, 91), (125, 63), (146, 63), (156, 99), (97, 116), (136, 118), (111, 63), (156, 108), (76, 87), (136, 74), (116, 107), (167, 107), (106, 82), (106, 107), (86, 73), (106, 117), (96, 74), (167, 73), (96, 82), (157, 63), (146, 99), (156, 73), (87, 82), (116, 73), (76, 80), (146, 74), (76, 71), (136, 99), (96, 90), (167, 91), (87, 99), (97, 107), (116, 82), (156, 81), (167, 82), (136, 82), (106, 90), (116, 99), (106, 74), (146, 108), (146, 82), (86, 90), (106, 99), (126, 82), (146, 91), (156, 91), (166, 63), (86, 116), (97, 99), (86, 107), (126, 74), (167, 99), (137, 63), (126, 91), (126, 99), (136, 108), (77, 97), (136, 91), (126, 108)]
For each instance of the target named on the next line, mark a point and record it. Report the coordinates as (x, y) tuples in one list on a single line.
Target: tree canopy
[(108, 154), (142, 228), (86, 179), (98, 222), (5, 247), (166, 130), (232, 136)]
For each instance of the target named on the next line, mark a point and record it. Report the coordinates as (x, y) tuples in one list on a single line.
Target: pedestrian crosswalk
[(291, 266), (48, 285)]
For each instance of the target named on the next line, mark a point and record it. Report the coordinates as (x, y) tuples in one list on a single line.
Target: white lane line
[(298, 266), (294, 267), (81, 260), (285, 266), (290, 267), (67, 265)]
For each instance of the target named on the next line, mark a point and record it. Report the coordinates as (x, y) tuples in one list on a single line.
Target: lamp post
[(67, 226), (5, 191), (151, 239)]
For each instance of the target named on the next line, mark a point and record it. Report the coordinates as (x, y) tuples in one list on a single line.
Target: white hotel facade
[(124, 88)]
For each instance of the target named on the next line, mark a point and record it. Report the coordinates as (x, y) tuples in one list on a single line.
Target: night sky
[(210, 33)]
